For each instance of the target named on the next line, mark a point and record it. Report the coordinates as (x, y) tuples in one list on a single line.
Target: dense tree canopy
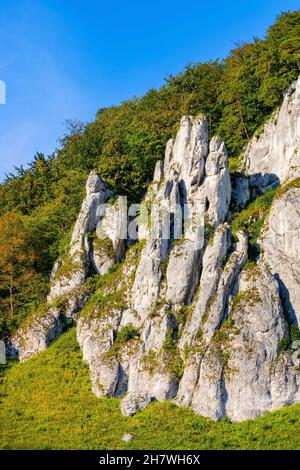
[(19, 281), (123, 143)]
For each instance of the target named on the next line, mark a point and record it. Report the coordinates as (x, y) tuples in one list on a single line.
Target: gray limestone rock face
[(254, 347), (108, 245), (134, 402), (36, 338), (213, 260), (67, 287), (127, 437), (97, 194), (285, 380), (217, 182), (281, 248), (223, 357), (273, 157)]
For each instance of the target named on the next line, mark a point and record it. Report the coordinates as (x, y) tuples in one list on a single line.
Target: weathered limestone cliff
[(281, 247), (273, 157), (68, 291), (185, 315)]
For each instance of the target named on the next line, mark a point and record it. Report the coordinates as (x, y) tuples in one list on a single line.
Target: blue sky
[(65, 59)]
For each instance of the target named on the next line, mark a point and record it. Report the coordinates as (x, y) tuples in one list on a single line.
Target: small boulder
[(296, 345), (134, 402), (127, 437), (296, 358)]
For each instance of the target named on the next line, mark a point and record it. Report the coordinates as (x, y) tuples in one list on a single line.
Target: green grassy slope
[(47, 404)]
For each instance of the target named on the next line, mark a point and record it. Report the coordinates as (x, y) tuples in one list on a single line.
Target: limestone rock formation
[(193, 180), (273, 156), (210, 328), (69, 276), (182, 313), (281, 248), (68, 292)]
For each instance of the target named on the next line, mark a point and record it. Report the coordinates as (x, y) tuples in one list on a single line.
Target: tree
[(16, 262)]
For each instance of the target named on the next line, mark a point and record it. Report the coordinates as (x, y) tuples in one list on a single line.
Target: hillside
[(150, 270), (47, 403), (237, 95)]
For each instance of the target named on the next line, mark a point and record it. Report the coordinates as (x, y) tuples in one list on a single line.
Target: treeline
[(123, 143)]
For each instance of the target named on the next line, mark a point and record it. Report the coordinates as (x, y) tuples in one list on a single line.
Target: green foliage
[(124, 335), (47, 403), (170, 340), (252, 218), (283, 345), (294, 333), (104, 246)]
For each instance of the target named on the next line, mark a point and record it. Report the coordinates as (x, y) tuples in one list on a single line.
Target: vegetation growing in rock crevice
[(68, 267), (110, 288), (253, 217), (102, 246), (126, 333), (251, 220)]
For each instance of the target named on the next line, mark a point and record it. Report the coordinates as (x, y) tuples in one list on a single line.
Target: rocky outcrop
[(197, 323), (251, 350), (69, 274), (190, 189), (281, 247), (217, 182), (68, 292), (212, 268), (185, 315), (236, 373), (210, 312), (273, 156)]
